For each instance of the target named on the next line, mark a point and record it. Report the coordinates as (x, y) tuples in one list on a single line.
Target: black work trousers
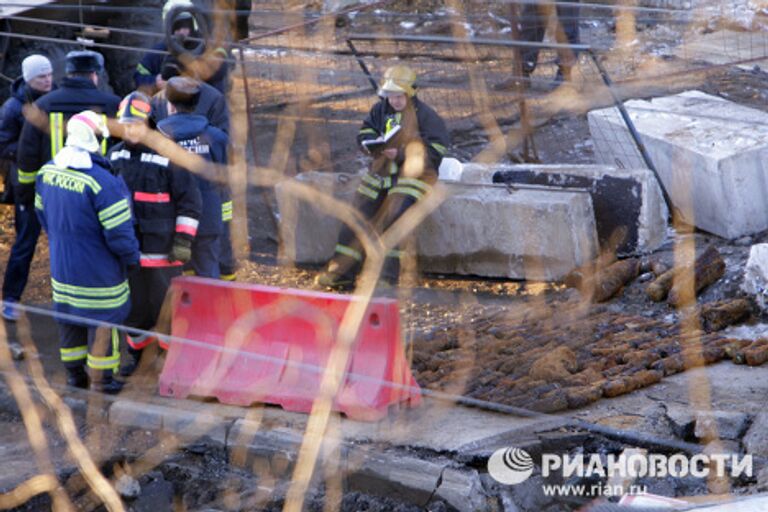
[(381, 200)]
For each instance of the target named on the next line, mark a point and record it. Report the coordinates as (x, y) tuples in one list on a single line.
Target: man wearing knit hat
[(36, 80), (86, 212), (42, 135)]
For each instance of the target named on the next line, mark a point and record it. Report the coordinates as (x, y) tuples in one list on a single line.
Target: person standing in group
[(167, 206), (86, 212), (211, 104), (42, 136), (211, 65), (195, 134), (36, 80), (407, 140)]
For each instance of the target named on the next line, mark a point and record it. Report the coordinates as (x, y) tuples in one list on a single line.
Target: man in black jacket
[(36, 80), (43, 133), (212, 104), (195, 134), (407, 140), (42, 136), (167, 206)]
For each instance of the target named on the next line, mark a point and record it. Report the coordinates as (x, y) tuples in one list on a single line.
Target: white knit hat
[(84, 130), (34, 66)]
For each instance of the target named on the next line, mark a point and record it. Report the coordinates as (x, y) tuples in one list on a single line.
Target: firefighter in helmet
[(406, 140), (167, 206), (86, 212)]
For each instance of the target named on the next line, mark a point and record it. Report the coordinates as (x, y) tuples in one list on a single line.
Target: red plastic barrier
[(266, 344)]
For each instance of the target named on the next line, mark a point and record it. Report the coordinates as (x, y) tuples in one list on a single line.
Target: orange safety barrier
[(266, 344)]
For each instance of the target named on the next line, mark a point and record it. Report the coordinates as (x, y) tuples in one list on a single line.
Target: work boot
[(108, 386), (77, 378), (334, 281), (134, 357)]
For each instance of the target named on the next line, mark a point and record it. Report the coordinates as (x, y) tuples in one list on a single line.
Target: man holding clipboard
[(407, 140)]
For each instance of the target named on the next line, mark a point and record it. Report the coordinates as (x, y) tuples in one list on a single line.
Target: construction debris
[(710, 163), (676, 283)]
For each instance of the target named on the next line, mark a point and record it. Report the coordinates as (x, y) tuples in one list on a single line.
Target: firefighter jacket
[(211, 104), (195, 134), (12, 120), (417, 122), (151, 65), (12, 117), (86, 212), (39, 144), (166, 201)]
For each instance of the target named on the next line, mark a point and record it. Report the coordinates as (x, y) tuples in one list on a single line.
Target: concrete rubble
[(709, 153), (755, 441), (482, 230), (627, 202), (486, 230), (756, 275)]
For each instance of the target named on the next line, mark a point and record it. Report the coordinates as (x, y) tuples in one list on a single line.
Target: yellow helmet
[(400, 79)]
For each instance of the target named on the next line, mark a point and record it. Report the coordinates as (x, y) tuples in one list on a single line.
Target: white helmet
[(86, 130)]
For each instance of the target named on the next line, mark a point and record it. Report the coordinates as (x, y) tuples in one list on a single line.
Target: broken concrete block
[(756, 275), (681, 420), (450, 169), (487, 230), (308, 234), (628, 203), (755, 441), (462, 490), (184, 423), (709, 153), (411, 479), (276, 448), (478, 230), (720, 425), (726, 447)]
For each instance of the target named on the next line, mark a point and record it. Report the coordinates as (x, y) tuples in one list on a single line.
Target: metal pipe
[(632, 130), (478, 41), (363, 66)]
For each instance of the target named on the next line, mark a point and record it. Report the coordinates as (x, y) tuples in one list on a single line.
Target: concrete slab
[(308, 234), (629, 200), (437, 427), (726, 46), (187, 424), (709, 152), (490, 231), (755, 281), (481, 230)]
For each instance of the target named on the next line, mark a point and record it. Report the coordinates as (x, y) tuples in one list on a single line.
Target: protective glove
[(182, 249)]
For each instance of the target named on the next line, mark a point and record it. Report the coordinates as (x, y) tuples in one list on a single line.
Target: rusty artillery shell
[(613, 278), (659, 288), (669, 365), (617, 387), (709, 267), (719, 315), (755, 356), (583, 395)]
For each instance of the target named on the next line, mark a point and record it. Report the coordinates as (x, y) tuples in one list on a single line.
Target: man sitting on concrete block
[(407, 140)]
